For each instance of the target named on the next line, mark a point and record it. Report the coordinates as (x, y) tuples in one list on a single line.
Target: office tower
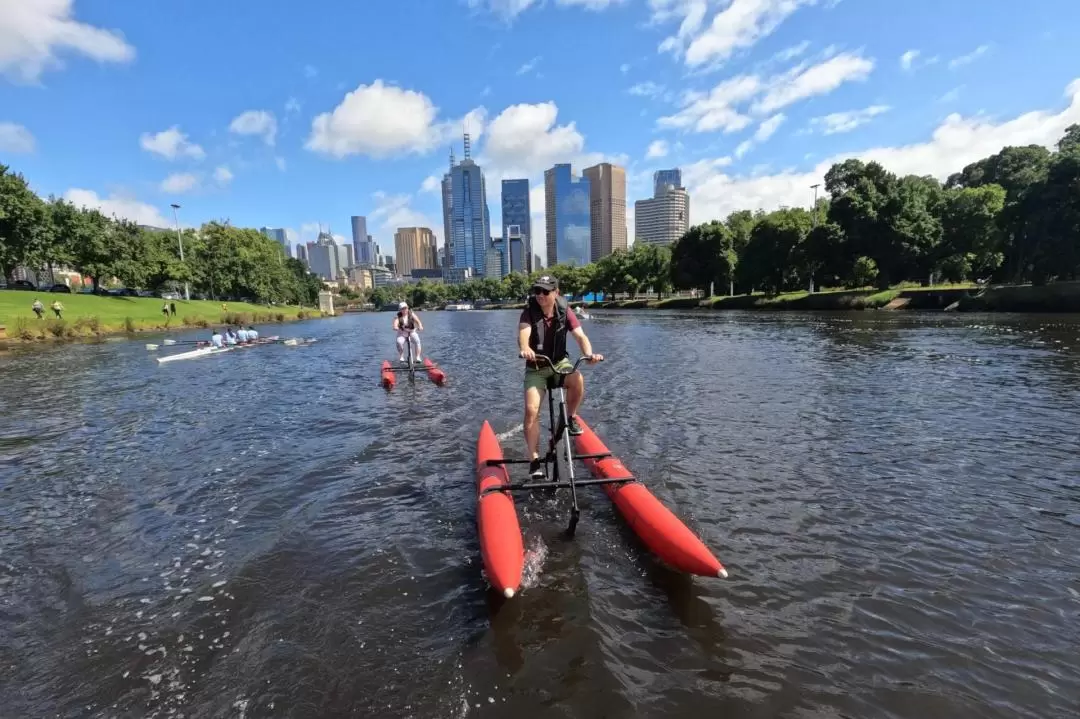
[(566, 210), (414, 249), (447, 211), (363, 248), (517, 223), (277, 234), (471, 224), (607, 209), (665, 217), (666, 177), (323, 257)]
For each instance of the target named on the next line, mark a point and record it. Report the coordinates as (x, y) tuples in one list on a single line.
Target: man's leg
[(415, 337), (532, 427), (575, 392), (400, 348)]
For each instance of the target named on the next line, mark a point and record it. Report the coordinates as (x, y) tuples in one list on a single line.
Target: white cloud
[(15, 138), (118, 206), (179, 182), (431, 184), (957, 142), (788, 54), (255, 122), (740, 24), (280, 162), (908, 58), (769, 127), (292, 105), (838, 122), (657, 148), (716, 110), (646, 89), (171, 144), (525, 140), (529, 66), (969, 58), (381, 120), (951, 96), (394, 211), (800, 84), (223, 175), (509, 9), (34, 33)]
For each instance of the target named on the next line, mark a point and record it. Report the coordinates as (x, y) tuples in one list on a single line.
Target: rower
[(242, 335), (216, 339), (542, 329), (252, 334), (230, 338)]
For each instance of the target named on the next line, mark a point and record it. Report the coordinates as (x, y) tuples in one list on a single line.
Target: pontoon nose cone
[(508, 593), (723, 573)]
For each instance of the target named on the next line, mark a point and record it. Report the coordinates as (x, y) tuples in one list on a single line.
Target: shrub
[(129, 325), (58, 328), (280, 316), (23, 329)]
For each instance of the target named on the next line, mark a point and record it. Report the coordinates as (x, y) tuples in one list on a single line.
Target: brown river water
[(269, 533)]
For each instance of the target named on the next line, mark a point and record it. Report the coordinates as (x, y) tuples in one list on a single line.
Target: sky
[(299, 114)]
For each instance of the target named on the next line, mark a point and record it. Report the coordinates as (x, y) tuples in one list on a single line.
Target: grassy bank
[(91, 315)]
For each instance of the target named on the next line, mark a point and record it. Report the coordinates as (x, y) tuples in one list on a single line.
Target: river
[(896, 497)]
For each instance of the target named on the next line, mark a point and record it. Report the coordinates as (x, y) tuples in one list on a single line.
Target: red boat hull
[(388, 378), (661, 531), (501, 545), (437, 375)]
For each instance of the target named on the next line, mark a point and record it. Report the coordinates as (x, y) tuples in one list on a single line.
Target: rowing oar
[(177, 342)]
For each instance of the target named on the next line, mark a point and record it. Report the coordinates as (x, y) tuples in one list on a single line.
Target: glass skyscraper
[(569, 228), (517, 244), (470, 222), (666, 177)]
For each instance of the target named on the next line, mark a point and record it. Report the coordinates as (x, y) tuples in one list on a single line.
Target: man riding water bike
[(407, 325), (542, 330)]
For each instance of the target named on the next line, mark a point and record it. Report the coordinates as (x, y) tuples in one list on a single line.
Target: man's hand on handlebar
[(527, 354), (594, 358)]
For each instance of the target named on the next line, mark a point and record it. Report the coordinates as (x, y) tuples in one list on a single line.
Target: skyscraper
[(470, 222), (447, 211), (277, 234), (323, 257), (664, 218), (566, 209), (666, 177), (414, 249), (607, 209), (363, 250), (517, 224)]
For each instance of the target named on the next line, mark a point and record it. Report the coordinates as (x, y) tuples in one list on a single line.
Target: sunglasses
[(538, 291)]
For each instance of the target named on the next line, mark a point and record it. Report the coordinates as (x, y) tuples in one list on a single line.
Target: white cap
[(402, 305)]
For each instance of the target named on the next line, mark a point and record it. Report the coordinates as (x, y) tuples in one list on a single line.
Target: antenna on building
[(466, 144), (451, 157)]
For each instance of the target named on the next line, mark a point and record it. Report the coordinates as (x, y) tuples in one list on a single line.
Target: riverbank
[(1057, 297), (87, 316)]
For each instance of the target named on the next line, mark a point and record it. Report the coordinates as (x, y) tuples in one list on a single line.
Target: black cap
[(546, 282)]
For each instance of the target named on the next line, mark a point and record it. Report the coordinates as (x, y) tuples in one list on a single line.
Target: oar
[(177, 342)]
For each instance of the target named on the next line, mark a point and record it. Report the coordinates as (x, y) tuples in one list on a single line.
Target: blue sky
[(291, 114)]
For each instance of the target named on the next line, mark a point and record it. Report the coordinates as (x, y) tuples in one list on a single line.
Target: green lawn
[(87, 315)]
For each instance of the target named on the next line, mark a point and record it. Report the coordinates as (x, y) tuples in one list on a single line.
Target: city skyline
[(753, 101)]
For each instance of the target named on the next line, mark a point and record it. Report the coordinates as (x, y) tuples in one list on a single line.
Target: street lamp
[(180, 239), (813, 223)]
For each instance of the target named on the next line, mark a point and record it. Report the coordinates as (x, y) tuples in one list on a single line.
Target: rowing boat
[(206, 351)]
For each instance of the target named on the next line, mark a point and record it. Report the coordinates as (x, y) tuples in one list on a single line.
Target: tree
[(701, 257), (769, 260), (973, 240), (24, 223)]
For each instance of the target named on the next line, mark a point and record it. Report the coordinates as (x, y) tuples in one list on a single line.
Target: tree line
[(220, 261)]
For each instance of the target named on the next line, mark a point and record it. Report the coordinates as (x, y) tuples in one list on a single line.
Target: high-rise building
[(607, 209), (447, 211), (345, 258), (470, 222), (671, 177), (665, 217), (496, 259), (517, 222), (301, 253), (566, 209), (537, 264), (323, 256), (363, 248), (277, 234), (414, 249)]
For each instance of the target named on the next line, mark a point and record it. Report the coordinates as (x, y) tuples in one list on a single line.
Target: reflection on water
[(269, 533)]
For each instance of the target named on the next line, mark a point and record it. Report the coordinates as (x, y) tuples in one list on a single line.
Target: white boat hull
[(206, 351)]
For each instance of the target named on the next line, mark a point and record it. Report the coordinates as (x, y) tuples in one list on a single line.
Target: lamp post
[(180, 239), (813, 222)]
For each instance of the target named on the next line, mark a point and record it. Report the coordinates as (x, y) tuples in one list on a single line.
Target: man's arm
[(524, 331), (419, 324), (582, 340), (395, 325)]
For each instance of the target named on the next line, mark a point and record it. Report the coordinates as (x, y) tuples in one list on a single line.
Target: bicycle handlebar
[(573, 369)]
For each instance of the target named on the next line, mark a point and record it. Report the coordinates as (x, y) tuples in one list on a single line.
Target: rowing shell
[(206, 351)]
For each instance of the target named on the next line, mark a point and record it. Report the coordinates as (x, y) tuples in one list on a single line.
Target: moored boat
[(501, 545)]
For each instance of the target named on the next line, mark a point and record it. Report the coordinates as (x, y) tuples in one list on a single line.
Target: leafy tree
[(701, 257), (24, 223)]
